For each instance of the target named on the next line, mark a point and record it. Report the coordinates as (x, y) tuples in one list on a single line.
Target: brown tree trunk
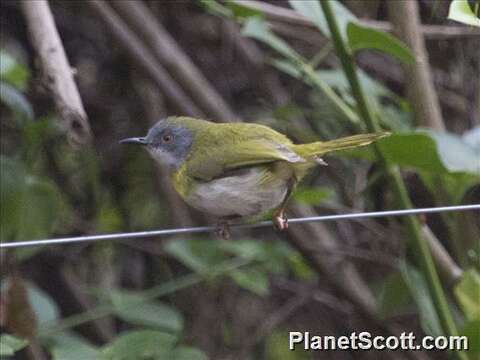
[(420, 90)]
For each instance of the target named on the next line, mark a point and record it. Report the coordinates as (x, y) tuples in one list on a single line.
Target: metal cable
[(145, 234)]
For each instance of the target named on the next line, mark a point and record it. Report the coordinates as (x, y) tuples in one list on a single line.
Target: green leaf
[(427, 150), (257, 28), (253, 279), (455, 185), (10, 344), (241, 11), (13, 71), (472, 138), (144, 209), (109, 217), (187, 353), (300, 267), (455, 153), (275, 345), (40, 131), (272, 255), (17, 102), (394, 296), (413, 150), (472, 331), (142, 344), (12, 175), (250, 249), (362, 37), (215, 8), (312, 11), (152, 345), (397, 116), (199, 255), (303, 71), (132, 308), (40, 205), (46, 310), (29, 206), (418, 287), (313, 195), (461, 11), (337, 79), (72, 347), (467, 292)]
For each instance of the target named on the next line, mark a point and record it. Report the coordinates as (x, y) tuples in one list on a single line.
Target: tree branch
[(420, 89), (169, 53), (286, 15), (447, 267), (141, 55), (56, 70)]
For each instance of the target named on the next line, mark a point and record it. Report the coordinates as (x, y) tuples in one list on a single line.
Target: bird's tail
[(320, 147)]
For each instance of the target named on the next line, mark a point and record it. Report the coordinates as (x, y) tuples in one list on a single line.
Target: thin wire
[(145, 234)]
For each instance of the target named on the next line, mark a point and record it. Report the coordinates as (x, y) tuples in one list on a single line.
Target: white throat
[(163, 157)]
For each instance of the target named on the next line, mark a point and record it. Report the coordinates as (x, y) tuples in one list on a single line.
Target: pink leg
[(280, 220), (223, 230)]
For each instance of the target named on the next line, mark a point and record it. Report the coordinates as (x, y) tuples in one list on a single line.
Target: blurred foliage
[(11, 344), (460, 10), (204, 255), (275, 344), (467, 291), (312, 10), (30, 205), (148, 344), (152, 314), (13, 81), (418, 287), (67, 346), (48, 189)]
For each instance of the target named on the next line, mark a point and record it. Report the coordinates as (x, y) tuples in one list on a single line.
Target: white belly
[(238, 195)]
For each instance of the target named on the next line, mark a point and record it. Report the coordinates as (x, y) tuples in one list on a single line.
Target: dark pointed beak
[(134, 140)]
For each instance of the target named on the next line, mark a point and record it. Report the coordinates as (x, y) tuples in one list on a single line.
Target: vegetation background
[(280, 63)]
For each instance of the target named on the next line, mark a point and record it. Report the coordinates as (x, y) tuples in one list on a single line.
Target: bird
[(236, 170)]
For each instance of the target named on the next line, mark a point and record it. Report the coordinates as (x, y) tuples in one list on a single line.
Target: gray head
[(167, 142)]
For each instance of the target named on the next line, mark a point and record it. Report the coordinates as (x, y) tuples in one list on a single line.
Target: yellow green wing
[(230, 146)]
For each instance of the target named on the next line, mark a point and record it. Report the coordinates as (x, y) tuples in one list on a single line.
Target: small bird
[(236, 170)]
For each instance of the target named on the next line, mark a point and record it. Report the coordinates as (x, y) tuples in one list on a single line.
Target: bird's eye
[(167, 138)]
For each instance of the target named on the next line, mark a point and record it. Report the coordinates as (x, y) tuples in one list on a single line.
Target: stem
[(170, 287), (413, 227), (329, 93), (405, 17)]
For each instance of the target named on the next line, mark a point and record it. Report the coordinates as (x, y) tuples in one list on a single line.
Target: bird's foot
[(222, 230), (280, 220), (320, 161)]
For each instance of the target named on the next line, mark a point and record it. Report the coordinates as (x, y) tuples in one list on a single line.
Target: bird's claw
[(280, 221), (222, 230)]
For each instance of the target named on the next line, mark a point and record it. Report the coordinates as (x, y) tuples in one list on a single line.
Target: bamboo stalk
[(413, 227)]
